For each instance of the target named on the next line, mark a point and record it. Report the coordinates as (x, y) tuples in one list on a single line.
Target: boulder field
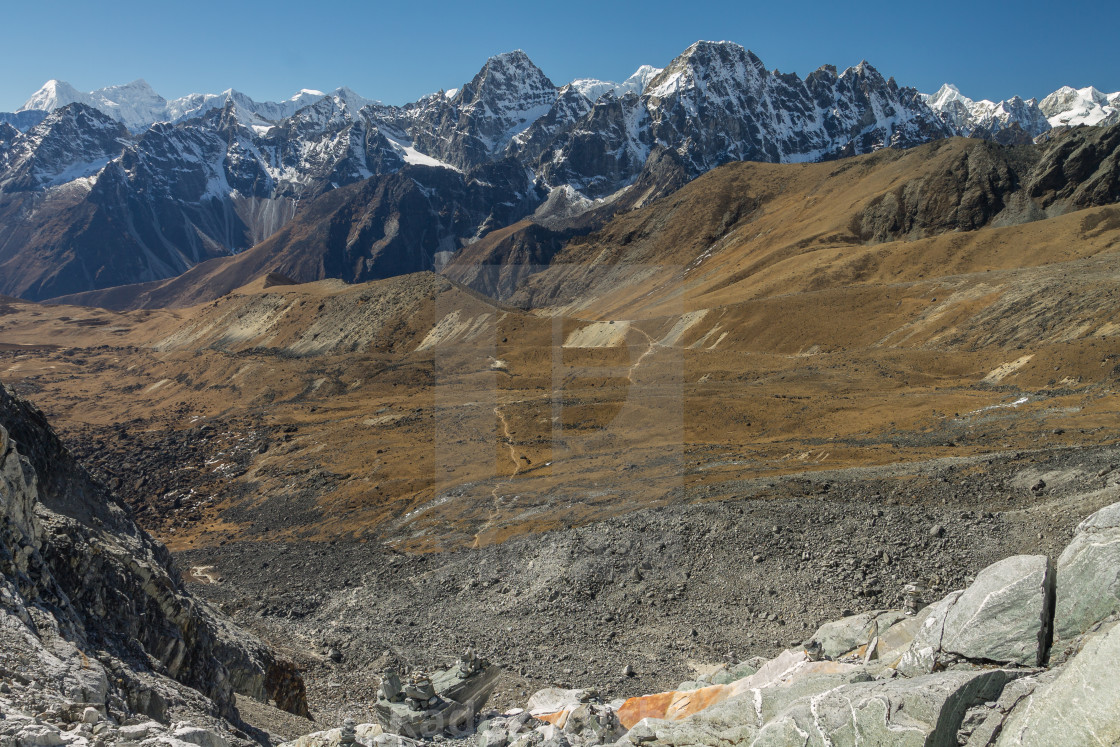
[(1028, 654)]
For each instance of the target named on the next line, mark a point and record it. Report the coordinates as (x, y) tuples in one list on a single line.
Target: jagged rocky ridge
[(96, 628), (98, 193), (1027, 654)]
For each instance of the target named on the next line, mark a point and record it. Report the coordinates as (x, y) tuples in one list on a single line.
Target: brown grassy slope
[(778, 342), (755, 230)]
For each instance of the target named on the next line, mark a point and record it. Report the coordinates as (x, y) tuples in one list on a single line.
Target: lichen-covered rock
[(842, 636), (735, 672), (739, 720), (984, 721), (1004, 616), (925, 710), (1080, 706), (1088, 570)]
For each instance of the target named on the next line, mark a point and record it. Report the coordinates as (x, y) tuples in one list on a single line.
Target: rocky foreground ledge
[(1029, 654), (100, 642)]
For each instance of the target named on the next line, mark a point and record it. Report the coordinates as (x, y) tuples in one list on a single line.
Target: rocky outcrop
[(92, 610), (993, 185), (1089, 575), (1003, 617)]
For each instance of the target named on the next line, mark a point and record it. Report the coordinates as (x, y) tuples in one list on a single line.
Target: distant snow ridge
[(592, 89), (986, 118), (1066, 107), (137, 106), (1081, 106)]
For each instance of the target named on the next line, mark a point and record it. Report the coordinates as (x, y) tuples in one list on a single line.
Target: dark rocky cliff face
[(91, 603), (994, 184)]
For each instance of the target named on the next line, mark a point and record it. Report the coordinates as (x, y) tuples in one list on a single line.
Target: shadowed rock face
[(90, 586), (991, 184)]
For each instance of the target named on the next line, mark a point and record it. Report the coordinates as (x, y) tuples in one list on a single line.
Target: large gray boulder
[(1089, 575), (1003, 617), (926, 711), (1081, 706)]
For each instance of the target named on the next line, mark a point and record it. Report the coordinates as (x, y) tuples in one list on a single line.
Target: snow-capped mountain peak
[(133, 104), (353, 100), (1011, 120), (723, 63), (946, 94), (593, 88), (508, 81), (54, 94), (1081, 106), (136, 105)]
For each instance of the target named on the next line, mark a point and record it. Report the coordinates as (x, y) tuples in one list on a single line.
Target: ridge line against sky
[(399, 52)]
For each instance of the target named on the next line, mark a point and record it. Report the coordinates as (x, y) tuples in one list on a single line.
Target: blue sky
[(399, 51)]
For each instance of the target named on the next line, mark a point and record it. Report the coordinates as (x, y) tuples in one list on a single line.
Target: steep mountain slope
[(93, 606), (390, 225)]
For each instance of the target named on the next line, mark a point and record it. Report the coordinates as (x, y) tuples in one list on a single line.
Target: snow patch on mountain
[(415, 157)]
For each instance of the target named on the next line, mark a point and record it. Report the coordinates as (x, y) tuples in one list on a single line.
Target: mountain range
[(120, 186), (642, 422)]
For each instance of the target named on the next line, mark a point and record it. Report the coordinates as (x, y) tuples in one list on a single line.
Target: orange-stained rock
[(784, 669), (645, 706)]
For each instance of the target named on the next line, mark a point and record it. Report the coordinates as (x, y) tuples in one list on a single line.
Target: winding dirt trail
[(507, 437), (514, 457), (653, 344)]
